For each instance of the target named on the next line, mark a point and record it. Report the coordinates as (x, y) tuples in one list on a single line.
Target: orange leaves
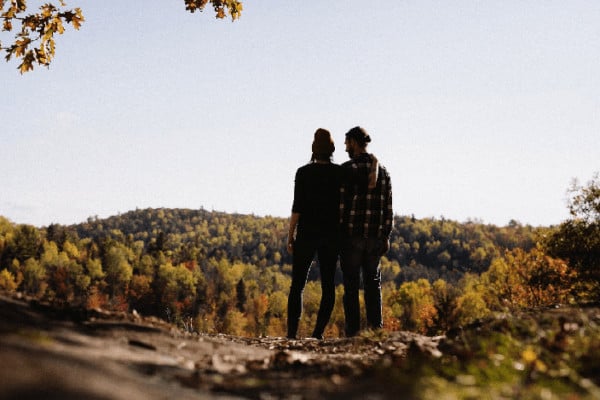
[(75, 19), (221, 7), (414, 305), (27, 64), (20, 47), (38, 28), (19, 4), (193, 5), (528, 279), (46, 10)]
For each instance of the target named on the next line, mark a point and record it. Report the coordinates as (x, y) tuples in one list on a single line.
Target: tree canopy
[(578, 239), (217, 272), (34, 30)]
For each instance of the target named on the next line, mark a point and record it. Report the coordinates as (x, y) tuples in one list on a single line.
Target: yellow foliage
[(528, 355), (527, 279), (470, 307), (34, 276), (278, 304), (415, 305), (234, 323), (7, 281), (50, 19), (277, 327), (71, 250)]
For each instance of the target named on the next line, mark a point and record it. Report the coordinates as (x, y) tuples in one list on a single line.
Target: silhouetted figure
[(314, 228), (367, 219)]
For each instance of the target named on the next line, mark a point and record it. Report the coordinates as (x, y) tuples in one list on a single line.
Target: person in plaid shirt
[(366, 218)]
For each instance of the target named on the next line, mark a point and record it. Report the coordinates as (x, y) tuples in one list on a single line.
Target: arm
[(296, 210), (374, 172), (388, 215), (292, 232), (345, 185)]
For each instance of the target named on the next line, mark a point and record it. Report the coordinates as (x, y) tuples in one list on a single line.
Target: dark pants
[(305, 247), (362, 254)]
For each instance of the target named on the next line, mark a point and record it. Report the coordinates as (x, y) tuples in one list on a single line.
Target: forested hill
[(430, 248), (229, 273), (187, 234)]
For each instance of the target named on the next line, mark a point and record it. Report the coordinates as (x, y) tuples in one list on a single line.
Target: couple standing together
[(343, 210)]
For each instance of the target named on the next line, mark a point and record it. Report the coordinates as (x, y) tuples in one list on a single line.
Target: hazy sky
[(479, 109)]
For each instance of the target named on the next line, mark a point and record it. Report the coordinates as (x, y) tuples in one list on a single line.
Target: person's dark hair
[(359, 134), (322, 147)]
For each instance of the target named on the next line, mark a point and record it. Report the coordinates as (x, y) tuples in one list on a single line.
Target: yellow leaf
[(76, 21), (528, 355), (27, 64), (21, 5), (540, 366), (46, 11)]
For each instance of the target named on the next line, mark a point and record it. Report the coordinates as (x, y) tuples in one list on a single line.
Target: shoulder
[(383, 170), (302, 172), (304, 168), (384, 176)]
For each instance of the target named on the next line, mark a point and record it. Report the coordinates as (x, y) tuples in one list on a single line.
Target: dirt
[(50, 353)]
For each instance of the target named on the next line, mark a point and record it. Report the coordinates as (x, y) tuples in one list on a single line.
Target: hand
[(290, 247), (385, 246)]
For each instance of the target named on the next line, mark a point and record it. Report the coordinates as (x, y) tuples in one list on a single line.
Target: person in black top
[(314, 228)]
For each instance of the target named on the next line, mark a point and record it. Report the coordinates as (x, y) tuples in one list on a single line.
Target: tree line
[(214, 272)]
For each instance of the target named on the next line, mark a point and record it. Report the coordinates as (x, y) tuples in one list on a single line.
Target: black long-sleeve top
[(317, 198)]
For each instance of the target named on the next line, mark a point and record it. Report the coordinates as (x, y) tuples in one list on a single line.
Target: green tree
[(34, 277), (24, 242), (118, 268), (34, 31), (414, 305), (67, 278), (277, 311), (177, 285), (577, 240), (94, 269), (444, 295), (470, 305)]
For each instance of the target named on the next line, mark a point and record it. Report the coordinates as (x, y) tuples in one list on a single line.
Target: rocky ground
[(49, 353)]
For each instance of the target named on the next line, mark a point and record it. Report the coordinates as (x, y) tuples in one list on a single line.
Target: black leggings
[(327, 249)]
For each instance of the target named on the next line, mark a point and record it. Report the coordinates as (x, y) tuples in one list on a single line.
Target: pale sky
[(479, 109)]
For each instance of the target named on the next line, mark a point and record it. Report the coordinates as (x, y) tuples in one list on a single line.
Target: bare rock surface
[(49, 353)]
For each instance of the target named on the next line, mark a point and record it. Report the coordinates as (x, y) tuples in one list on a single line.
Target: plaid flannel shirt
[(365, 212)]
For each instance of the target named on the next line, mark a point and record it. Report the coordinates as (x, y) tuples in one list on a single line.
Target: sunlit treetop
[(33, 41)]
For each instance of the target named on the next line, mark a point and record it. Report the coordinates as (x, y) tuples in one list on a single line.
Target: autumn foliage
[(34, 31), (215, 272)]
